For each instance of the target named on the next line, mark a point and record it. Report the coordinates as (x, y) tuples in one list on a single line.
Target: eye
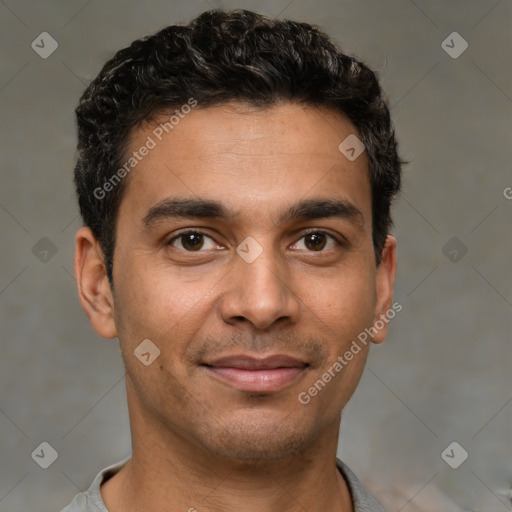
[(193, 241), (317, 241)]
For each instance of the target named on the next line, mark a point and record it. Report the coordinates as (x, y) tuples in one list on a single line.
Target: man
[(235, 177)]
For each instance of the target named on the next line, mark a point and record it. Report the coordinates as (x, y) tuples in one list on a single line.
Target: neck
[(167, 473)]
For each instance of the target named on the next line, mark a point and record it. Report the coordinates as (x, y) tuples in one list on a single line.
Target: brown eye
[(192, 241), (315, 241)]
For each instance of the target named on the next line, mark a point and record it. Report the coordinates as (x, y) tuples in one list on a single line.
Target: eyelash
[(339, 242)]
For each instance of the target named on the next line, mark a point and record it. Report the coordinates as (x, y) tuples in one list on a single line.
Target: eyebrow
[(317, 208)]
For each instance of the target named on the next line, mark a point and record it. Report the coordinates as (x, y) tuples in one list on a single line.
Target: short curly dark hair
[(217, 58)]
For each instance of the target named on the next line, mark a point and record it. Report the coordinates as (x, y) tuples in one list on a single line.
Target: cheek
[(345, 303), (146, 292), (157, 304)]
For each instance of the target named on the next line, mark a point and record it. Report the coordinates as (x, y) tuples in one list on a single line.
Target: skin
[(199, 443)]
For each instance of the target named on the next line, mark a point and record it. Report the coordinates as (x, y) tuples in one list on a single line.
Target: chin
[(251, 443)]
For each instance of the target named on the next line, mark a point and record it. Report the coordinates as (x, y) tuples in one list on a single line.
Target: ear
[(385, 279), (93, 287)]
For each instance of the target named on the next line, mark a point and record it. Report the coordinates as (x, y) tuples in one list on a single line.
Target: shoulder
[(79, 504), (363, 500), (91, 500)]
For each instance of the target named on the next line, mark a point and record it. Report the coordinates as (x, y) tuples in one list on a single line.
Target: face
[(244, 253)]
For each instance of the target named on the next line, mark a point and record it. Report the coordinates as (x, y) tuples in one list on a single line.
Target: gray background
[(443, 374)]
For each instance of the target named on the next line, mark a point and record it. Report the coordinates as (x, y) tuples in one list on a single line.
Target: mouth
[(257, 375)]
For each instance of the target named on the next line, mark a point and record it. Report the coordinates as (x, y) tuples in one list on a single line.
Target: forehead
[(250, 159)]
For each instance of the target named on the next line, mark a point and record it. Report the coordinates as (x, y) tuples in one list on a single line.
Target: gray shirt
[(91, 501)]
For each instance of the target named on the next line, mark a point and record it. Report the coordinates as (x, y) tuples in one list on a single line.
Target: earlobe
[(93, 287), (385, 279)]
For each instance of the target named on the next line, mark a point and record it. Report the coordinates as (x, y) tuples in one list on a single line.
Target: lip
[(257, 375)]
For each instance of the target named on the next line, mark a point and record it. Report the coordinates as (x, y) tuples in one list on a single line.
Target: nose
[(260, 292)]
